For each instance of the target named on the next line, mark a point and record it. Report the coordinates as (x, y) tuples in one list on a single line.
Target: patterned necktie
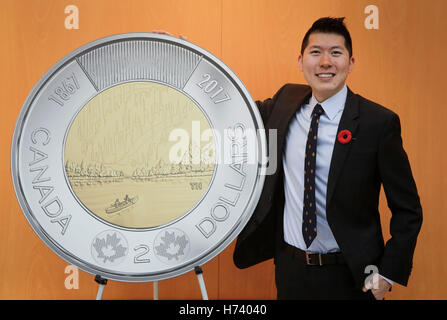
[(309, 228)]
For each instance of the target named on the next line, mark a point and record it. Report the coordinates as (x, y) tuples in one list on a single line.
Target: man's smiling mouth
[(325, 75)]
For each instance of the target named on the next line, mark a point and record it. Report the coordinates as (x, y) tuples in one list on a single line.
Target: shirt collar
[(331, 106)]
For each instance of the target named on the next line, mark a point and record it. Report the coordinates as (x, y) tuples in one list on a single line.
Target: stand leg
[(102, 283), (199, 272), (155, 290)]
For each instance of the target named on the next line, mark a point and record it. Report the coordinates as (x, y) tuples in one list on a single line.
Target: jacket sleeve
[(266, 107), (403, 201)]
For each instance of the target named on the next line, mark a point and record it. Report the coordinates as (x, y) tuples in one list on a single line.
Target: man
[(318, 213)]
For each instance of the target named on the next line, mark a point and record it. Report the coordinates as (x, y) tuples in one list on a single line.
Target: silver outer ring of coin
[(56, 215)]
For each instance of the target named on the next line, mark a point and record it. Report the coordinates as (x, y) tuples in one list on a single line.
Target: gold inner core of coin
[(139, 155)]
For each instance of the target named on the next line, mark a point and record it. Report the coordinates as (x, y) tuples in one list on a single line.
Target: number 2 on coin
[(144, 249)]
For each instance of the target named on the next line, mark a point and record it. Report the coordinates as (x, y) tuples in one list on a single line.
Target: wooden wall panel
[(401, 65)]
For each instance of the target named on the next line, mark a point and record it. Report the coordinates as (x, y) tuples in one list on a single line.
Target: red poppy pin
[(344, 136)]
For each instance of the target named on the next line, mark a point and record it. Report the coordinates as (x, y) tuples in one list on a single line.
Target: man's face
[(326, 64)]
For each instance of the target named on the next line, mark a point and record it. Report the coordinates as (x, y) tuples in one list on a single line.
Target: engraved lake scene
[(139, 155)]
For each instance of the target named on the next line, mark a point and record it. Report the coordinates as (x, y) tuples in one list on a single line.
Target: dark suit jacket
[(374, 157)]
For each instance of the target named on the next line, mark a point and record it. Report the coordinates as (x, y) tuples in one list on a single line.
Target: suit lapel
[(348, 121), (289, 105)]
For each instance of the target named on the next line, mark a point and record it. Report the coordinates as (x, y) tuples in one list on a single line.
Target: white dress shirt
[(293, 163)]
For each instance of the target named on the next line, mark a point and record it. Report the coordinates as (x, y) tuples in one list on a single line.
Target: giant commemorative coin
[(138, 157)]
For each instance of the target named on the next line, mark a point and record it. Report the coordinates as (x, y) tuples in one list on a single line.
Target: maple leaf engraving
[(172, 246), (109, 248)]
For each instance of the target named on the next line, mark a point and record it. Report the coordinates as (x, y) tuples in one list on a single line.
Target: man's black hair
[(329, 25)]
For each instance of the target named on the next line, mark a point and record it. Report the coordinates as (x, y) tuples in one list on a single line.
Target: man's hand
[(167, 33), (379, 287)]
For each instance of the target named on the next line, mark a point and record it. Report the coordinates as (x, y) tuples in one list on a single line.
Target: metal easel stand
[(198, 271), (155, 283), (102, 283)]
